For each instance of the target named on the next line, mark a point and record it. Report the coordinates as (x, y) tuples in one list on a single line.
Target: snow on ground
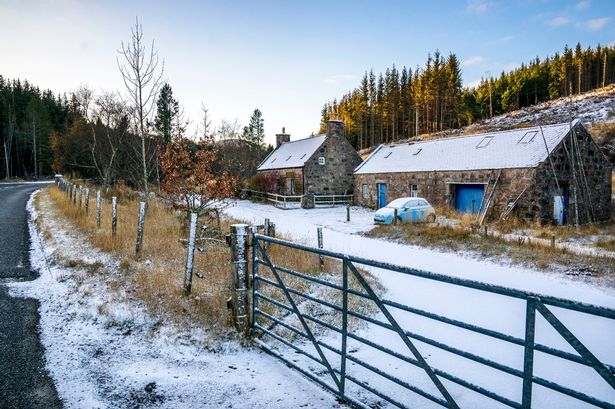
[(122, 359), (488, 310)]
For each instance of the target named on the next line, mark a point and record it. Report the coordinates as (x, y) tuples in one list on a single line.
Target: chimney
[(281, 138), (335, 128)]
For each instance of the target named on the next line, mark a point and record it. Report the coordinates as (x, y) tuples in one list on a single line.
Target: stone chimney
[(281, 138), (335, 128)]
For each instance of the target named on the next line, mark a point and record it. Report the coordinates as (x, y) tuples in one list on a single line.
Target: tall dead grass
[(156, 277)]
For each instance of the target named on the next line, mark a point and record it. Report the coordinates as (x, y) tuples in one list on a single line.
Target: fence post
[(321, 258), (528, 356), (140, 222), (87, 200), (190, 254), (98, 208), (344, 326), (267, 232), (552, 240), (80, 195), (394, 216), (113, 215), (239, 251), (74, 194), (348, 212)]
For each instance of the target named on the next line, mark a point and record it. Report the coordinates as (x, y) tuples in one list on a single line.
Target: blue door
[(468, 198), (382, 195)]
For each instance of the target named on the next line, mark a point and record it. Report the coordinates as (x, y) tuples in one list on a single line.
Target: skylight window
[(289, 158), (303, 156), (388, 154), (485, 142), (273, 160), (528, 137), (417, 151)]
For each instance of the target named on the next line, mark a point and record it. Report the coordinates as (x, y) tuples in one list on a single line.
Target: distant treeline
[(28, 119), (399, 104)]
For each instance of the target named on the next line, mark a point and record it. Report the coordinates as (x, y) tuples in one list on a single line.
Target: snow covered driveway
[(124, 358), (488, 310)]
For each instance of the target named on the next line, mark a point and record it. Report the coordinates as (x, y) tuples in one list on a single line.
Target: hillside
[(596, 109)]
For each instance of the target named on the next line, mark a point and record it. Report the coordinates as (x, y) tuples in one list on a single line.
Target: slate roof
[(517, 148), (292, 154)]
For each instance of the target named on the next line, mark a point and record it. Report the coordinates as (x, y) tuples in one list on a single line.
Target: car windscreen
[(398, 204)]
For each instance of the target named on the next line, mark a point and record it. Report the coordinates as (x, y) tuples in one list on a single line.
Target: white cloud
[(338, 79), (474, 84), (477, 59), (478, 6), (559, 21), (582, 5), (598, 23)]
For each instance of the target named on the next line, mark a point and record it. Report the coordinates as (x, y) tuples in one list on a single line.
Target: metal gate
[(277, 298)]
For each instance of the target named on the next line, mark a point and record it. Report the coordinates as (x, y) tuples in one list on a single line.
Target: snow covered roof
[(292, 154), (517, 148)]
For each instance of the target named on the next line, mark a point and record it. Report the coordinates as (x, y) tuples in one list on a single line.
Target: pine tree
[(254, 132), (167, 113)]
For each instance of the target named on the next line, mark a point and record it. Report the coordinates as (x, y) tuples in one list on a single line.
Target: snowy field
[(104, 351), (487, 310)]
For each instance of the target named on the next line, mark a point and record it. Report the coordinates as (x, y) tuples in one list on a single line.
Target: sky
[(286, 58)]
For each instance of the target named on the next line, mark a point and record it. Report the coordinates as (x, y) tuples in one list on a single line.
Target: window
[(303, 156), (414, 191), (287, 159), (417, 151), (273, 160), (321, 160), (364, 191), (293, 187), (486, 141), (528, 137), (388, 154)]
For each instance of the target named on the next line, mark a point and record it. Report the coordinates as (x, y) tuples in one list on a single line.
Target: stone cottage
[(321, 164), (553, 173)]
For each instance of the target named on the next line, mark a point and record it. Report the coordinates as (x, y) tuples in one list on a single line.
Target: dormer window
[(321, 160)]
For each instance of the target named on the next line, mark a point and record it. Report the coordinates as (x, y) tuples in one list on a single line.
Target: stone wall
[(596, 179), (336, 175), (439, 187), (282, 178)]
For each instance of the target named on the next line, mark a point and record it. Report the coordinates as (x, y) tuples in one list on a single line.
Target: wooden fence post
[(239, 251), (80, 195), (113, 216), (190, 255), (552, 240), (74, 194), (140, 223), (87, 200), (98, 208), (348, 212), (321, 258)]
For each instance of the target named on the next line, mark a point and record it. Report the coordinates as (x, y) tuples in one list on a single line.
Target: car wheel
[(431, 218)]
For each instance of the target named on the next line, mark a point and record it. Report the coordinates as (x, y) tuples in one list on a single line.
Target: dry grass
[(156, 278), (530, 254)]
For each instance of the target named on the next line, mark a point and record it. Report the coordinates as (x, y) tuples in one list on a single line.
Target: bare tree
[(207, 129), (139, 66), (109, 132), (228, 129), (84, 96)]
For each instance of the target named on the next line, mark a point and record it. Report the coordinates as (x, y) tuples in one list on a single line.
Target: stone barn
[(321, 164), (553, 173)]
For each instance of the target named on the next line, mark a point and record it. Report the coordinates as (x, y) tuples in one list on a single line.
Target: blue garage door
[(468, 198)]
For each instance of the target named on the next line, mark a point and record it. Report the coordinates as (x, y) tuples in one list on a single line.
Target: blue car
[(409, 209)]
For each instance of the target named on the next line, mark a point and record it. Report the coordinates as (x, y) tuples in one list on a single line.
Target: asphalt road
[(24, 383)]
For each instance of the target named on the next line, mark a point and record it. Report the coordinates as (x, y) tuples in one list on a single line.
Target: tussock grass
[(156, 278), (474, 242)]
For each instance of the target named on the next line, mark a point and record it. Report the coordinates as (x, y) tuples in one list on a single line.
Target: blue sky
[(285, 57)]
